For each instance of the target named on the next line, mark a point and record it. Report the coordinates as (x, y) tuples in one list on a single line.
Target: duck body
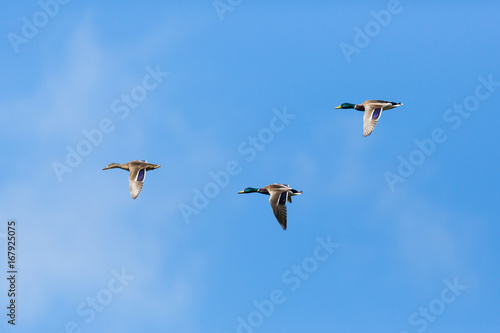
[(137, 174), (279, 195), (372, 109)]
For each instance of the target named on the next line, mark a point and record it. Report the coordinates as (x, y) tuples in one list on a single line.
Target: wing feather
[(278, 204), (370, 118), (136, 180)]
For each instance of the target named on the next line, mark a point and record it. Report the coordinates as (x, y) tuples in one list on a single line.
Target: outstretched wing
[(278, 203), (370, 118), (136, 180)]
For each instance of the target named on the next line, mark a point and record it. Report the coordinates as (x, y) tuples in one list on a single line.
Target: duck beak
[(338, 107), (241, 192)]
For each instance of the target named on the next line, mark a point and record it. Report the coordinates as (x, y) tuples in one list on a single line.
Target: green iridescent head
[(346, 106), (249, 190)]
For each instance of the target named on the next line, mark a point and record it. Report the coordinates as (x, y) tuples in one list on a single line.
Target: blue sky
[(396, 232)]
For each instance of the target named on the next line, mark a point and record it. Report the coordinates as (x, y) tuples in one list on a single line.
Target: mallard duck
[(373, 110), (137, 174), (279, 195)]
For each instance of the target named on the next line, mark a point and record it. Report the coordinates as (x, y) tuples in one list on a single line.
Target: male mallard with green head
[(137, 174), (373, 110), (279, 195)]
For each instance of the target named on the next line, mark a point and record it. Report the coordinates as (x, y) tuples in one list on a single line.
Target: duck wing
[(278, 204), (370, 118), (136, 180)]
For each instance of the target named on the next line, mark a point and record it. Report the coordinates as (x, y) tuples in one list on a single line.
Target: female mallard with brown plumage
[(137, 174)]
